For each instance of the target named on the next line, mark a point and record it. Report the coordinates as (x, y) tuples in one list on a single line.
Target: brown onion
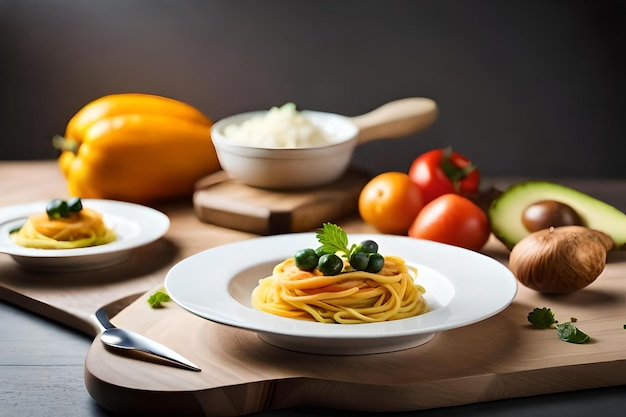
[(560, 260)]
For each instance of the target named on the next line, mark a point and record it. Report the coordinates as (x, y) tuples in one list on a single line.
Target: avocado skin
[(505, 212)]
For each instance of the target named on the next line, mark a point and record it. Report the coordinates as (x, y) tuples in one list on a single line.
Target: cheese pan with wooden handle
[(292, 168)]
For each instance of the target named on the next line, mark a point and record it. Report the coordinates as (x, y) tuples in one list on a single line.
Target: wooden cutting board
[(226, 202), (501, 357)]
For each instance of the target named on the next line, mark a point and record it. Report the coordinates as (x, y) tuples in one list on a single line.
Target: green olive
[(306, 259), (330, 264), (57, 208), (359, 261), (376, 263), (75, 204), (368, 246)]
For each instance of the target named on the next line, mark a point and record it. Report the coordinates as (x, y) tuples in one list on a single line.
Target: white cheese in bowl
[(280, 127)]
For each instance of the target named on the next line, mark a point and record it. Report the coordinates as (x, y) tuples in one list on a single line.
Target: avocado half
[(505, 212)]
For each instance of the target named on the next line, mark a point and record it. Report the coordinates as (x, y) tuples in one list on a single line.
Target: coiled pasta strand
[(348, 298), (82, 229)]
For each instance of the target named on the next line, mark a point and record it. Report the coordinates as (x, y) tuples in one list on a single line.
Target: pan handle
[(395, 119)]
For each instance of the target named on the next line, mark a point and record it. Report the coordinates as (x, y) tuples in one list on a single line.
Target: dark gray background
[(532, 87)]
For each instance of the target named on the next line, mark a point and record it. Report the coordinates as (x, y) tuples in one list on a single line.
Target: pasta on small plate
[(103, 235)]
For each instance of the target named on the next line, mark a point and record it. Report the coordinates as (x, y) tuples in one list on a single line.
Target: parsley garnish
[(333, 239), (570, 333), (334, 245), (543, 318), (159, 297)]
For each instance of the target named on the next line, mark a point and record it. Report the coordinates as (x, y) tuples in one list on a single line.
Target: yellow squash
[(136, 147)]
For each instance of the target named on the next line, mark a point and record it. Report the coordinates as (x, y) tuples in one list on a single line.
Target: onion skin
[(560, 260)]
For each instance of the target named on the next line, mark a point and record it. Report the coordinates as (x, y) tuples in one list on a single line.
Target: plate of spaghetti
[(420, 288), (81, 235)]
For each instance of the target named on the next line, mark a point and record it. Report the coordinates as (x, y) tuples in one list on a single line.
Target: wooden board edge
[(260, 396)]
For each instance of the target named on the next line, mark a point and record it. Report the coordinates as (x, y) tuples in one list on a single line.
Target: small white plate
[(134, 225), (462, 287)]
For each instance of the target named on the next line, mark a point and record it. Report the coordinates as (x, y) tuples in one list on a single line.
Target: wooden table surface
[(43, 361)]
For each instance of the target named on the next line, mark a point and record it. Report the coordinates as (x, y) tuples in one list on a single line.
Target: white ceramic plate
[(135, 225), (462, 287)]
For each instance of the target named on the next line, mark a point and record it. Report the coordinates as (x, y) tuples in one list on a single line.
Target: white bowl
[(291, 168), (287, 167)]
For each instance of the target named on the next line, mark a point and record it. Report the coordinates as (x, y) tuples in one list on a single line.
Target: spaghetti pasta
[(77, 230), (350, 297)]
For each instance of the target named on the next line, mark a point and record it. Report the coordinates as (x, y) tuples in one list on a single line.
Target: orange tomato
[(389, 202), (452, 219)]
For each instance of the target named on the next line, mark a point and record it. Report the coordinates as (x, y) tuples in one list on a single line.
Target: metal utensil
[(122, 339)]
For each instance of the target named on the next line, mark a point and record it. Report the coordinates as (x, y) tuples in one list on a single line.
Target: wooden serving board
[(72, 298), (501, 357), (226, 202)]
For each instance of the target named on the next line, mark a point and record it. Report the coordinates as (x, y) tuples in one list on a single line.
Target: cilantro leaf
[(159, 297), (333, 239), (570, 333), (542, 318)]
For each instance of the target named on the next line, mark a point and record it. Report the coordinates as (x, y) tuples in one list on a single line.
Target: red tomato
[(389, 202), (452, 219), (442, 171)]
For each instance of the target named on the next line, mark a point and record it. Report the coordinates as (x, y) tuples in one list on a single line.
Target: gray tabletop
[(42, 365)]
